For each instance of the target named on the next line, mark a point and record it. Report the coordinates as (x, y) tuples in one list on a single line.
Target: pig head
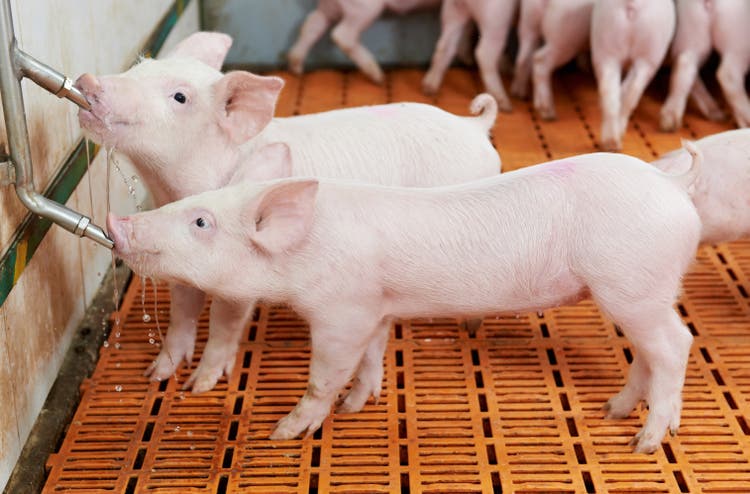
[(180, 109)]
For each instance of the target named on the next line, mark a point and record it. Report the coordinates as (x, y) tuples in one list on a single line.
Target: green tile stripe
[(34, 228)]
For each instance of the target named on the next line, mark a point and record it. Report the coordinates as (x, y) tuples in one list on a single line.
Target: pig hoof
[(504, 105), (165, 364), (519, 91), (716, 115), (546, 112), (611, 145), (620, 406), (669, 122), (429, 86), (644, 443), (290, 427), (376, 76), (202, 380)]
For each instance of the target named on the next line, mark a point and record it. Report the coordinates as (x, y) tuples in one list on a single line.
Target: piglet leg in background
[(493, 20), (565, 28), (315, 26), (622, 31), (733, 44), (529, 35), (691, 47)]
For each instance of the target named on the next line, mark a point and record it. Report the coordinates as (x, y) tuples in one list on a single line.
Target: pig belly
[(481, 295)]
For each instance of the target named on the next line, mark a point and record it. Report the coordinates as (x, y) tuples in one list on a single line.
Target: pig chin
[(102, 129)]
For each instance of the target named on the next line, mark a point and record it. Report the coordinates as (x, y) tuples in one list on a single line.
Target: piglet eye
[(180, 98), (201, 223)]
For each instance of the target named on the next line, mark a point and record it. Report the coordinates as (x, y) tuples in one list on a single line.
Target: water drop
[(177, 428), (151, 340), (192, 446), (105, 344), (117, 346), (190, 433), (146, 318), (117, 364), (118, 388), (117, 334)]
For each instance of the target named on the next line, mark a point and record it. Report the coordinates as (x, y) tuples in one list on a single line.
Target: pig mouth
[(101, 125)]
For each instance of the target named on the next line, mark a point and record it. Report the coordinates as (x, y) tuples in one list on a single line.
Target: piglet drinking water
[(188, 128), (350, 258)]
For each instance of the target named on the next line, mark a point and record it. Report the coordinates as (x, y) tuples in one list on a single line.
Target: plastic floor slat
[(515, 408)]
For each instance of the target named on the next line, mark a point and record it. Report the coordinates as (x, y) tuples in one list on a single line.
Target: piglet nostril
[(116, 232), (89, 86)]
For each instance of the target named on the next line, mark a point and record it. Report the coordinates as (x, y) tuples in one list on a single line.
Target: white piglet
[(634, 32), (188, 129), (350, 258), (722, 190)]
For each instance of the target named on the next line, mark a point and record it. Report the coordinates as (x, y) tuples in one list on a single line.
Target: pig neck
[(182, 176)]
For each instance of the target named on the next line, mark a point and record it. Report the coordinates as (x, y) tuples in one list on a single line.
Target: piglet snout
[(89, 85), (117, 232)]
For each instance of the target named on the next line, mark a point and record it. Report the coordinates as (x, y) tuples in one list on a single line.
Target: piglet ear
[(210, 48), (267, 163), (280, 218), (246, 103)]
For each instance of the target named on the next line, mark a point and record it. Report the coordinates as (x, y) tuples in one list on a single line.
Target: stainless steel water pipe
[(15, 65)]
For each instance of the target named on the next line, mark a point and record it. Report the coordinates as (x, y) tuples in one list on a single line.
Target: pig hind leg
[(549, 57), (178, 345), (640, 74), (706, 104), (369, 378), (454, 17), (608, 77), (346, 35), (528, 39), (226, 323), (312, 30), (731, 75), (662, 346), (337, 350), (492, 40), (684, 75)]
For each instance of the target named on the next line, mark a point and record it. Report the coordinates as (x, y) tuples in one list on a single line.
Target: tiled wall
[(43, 309)]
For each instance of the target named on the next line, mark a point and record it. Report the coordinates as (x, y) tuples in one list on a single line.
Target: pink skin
[(351, 19), (634, 32), (493, 20), (529, 37), (733, 45), (693, 42), (223, 129), (722, 189), (350, 258), (565, 30)]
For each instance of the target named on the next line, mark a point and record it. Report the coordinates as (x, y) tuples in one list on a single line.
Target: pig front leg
[(226, 323), (337, 349), (608, 75), (186, 305), (684, 75), (454, 19), (369, 378), (731, 75), (312, 30), (346, 35)]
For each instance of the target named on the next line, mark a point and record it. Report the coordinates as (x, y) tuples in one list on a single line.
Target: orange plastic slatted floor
[(515, 408)]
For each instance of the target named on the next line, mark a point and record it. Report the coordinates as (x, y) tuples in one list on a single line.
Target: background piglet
[(693, 42), (350, 258), (187, 128), (565, 30), (722, 191), (351, 19), (634, 32), (493, 19)]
